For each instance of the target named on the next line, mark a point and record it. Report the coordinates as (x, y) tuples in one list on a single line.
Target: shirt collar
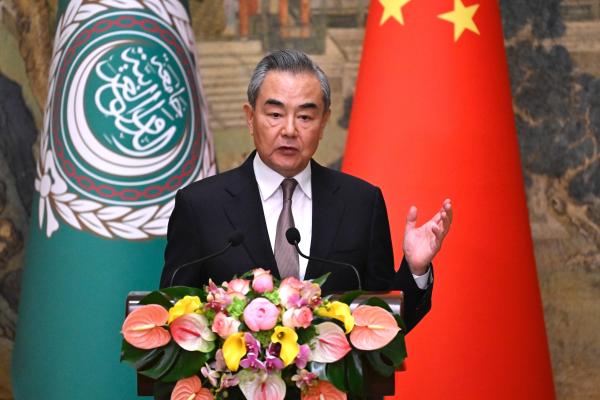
[(269, 180)]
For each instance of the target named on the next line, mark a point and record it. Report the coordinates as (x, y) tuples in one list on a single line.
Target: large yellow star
[(392, 8), (462, 18)]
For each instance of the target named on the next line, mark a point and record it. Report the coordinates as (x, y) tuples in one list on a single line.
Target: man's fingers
[(411, 218), (447, 208)]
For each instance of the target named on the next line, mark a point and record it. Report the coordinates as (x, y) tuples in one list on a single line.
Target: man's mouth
[(287, 149)]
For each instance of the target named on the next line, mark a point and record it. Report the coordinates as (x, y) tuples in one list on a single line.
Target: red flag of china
[(432, 118)]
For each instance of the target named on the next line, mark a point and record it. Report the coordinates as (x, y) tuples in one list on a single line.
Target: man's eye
[(305, 117), (275, 115)]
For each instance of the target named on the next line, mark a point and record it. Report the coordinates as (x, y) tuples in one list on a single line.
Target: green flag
[(124, 128)]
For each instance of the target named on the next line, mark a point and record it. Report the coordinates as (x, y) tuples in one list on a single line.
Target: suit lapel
[(245, 213), (327, 209)]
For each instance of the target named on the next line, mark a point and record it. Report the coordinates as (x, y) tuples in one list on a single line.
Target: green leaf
[(164, 363), (138, 358), (157, 297), (388, 359), (305, 335), (354, 373), (322, 279), (178, 292), (349, 297), (162, 390), (188, 364), (336, 374), (377, 302), (395, 350), (379, 363)]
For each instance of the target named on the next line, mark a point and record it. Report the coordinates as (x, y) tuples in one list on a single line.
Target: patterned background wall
[(553, 50)]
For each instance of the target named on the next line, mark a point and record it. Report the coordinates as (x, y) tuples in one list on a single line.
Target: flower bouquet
[(257, 338)]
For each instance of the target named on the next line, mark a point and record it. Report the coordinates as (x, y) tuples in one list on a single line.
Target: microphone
[(293, 237), (235, 239)]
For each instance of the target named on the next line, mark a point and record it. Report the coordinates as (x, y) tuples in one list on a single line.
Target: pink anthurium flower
[(323, 390), (192, 332), (190, 389), (374, 328), (330, 344), (143, 327), (261, 385)]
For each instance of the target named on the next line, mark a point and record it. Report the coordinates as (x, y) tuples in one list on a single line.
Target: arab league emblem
[(123, 126)]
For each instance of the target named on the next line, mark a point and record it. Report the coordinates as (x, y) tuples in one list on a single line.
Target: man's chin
[(289, 168)]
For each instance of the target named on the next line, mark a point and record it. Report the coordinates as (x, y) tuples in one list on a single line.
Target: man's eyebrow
[(308, 105), (274, 102)]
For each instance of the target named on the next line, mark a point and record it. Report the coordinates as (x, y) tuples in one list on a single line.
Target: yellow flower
[(337, 310), (187, 305), (289, 343), (234, 349)]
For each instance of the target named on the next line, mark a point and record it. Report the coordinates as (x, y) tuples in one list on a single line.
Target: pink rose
[(224, 325), (261, 315), (263, 281), (289, 292), (297, 317), (238, 288)]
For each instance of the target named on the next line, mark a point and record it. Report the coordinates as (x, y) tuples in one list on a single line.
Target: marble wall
[(553, 49)]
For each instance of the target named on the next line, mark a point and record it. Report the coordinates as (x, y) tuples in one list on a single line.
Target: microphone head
[(236, 238), (293, 236)]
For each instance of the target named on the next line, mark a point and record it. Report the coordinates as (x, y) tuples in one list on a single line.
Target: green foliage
[(347, 374), (168, 363), (273, 297), (336, 374), (169, 296), (349, 297), (322, 279), (236, 308), (264, 337), (354, 373), (305, 335), (389, 358)]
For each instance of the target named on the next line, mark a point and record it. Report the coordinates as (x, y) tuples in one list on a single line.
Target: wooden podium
[(376, 385)]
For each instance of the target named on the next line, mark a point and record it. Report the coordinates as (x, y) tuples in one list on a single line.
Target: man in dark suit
[(340, 217)]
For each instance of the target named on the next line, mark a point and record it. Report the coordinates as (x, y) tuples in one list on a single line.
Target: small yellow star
[(462, 18), (392, 8)]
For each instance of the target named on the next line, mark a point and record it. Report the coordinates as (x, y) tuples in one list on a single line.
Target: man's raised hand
[(422, 243)]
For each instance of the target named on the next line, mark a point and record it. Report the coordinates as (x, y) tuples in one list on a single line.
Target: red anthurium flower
[(374, 328), (190, 389), (323, 390), (143, 328)]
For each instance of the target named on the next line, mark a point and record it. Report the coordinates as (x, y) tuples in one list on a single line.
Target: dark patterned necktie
[(286, 255)]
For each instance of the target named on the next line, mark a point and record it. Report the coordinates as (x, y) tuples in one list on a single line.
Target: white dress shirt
[(271, 195)]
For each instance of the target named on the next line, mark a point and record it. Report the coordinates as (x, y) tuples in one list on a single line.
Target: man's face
[(287, 121)]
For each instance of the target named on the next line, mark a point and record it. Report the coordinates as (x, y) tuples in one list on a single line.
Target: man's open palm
[(422, 243)]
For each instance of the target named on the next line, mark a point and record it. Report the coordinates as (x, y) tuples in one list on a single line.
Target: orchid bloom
[(289, 343)]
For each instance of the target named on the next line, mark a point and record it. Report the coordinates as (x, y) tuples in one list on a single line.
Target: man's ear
[(249, 111)]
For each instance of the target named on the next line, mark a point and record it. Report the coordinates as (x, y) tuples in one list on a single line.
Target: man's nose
[(289, 128)]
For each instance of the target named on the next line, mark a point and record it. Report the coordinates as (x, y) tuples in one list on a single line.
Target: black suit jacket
[(349, 224)]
